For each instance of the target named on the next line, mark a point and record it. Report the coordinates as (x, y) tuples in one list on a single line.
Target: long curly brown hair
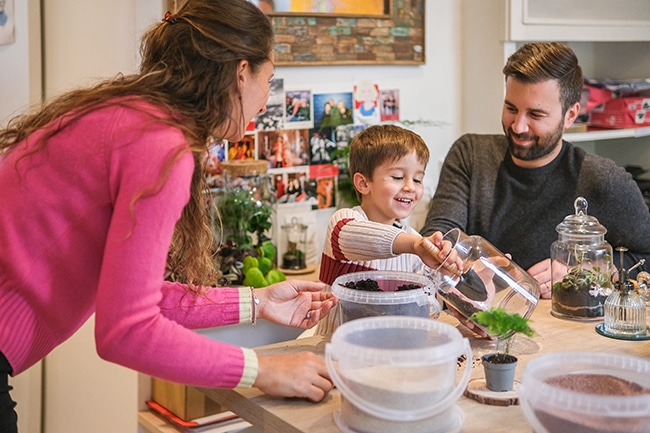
[(189, 68)]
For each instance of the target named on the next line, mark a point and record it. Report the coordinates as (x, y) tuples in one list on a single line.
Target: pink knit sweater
[(78, 236)]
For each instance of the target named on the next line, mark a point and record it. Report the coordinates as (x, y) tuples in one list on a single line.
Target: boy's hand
[(434, 251)]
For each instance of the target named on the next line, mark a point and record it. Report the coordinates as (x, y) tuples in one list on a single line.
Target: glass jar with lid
[(295, 235), (581, 265), (246, 202)]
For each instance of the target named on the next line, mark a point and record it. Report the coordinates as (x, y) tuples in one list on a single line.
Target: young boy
[(387, 166)]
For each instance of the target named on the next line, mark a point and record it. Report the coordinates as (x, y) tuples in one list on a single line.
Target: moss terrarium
[(245, 206), (581, 267)]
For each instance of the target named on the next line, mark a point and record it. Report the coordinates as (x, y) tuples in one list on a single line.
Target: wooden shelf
[(607, 134)]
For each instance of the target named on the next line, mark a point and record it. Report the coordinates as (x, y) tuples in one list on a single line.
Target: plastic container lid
[(388, 282), (396, 340)]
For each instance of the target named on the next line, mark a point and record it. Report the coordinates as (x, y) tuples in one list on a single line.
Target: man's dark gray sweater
[(482, 192)]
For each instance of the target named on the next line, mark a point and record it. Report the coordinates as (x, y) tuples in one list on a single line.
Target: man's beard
[(542, 145)]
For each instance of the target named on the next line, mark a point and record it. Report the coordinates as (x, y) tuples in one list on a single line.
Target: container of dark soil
[(586, 392), (398, 374), (385, 293)]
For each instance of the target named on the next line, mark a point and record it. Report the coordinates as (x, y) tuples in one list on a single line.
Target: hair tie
[(170, 18)]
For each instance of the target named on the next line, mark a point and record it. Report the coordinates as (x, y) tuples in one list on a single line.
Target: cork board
[(394, 38)]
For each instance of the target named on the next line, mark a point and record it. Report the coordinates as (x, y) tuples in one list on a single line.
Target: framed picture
[(332, 7), (344, 32), (348, 32)]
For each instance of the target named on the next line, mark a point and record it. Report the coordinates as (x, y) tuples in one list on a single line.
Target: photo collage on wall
[(298, 135)]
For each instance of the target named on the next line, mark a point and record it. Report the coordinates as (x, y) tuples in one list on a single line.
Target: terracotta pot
[(499, 373)]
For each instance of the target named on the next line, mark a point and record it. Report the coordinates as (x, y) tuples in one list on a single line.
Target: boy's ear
[(360, 183)]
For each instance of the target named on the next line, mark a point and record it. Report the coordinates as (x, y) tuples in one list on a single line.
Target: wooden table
[(279, 415)]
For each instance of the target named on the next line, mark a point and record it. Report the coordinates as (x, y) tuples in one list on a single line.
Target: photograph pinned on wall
[(332, 110), (321, 189), (284, 148), (215, 155), (244, 149), (366, 103), (7, 19), (290, 184), (345, 133), (389, 104), (298, 106), (274, 116), (321, 148)]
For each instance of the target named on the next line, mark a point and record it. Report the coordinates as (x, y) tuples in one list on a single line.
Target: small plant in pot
[(500, 367)]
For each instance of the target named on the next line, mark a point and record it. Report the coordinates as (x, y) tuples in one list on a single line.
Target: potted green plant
[(500, 367)]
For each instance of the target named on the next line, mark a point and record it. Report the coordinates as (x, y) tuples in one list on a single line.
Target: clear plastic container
[(553, 408), (392, 299), (397, 373), (488, 278)]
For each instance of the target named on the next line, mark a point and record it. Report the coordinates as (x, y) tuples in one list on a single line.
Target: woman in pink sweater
[(103, 188)]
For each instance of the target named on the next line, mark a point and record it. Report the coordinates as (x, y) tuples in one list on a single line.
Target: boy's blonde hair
[(380, 143)]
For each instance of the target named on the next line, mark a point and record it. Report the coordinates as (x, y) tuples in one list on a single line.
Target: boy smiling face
[(393, 190)]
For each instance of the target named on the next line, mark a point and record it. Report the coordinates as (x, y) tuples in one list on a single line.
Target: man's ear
[(360, 183), (571, 115)]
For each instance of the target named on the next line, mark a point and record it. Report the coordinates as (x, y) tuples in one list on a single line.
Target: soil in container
[(597, 384), (370, 285)]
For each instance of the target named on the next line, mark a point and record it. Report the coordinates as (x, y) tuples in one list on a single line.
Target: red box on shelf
[(622, 113)]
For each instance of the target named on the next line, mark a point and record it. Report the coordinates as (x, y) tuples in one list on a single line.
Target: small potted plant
[(500, 367)]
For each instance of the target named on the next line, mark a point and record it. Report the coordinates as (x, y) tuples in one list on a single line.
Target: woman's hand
[(302, 374), (296, 303)]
